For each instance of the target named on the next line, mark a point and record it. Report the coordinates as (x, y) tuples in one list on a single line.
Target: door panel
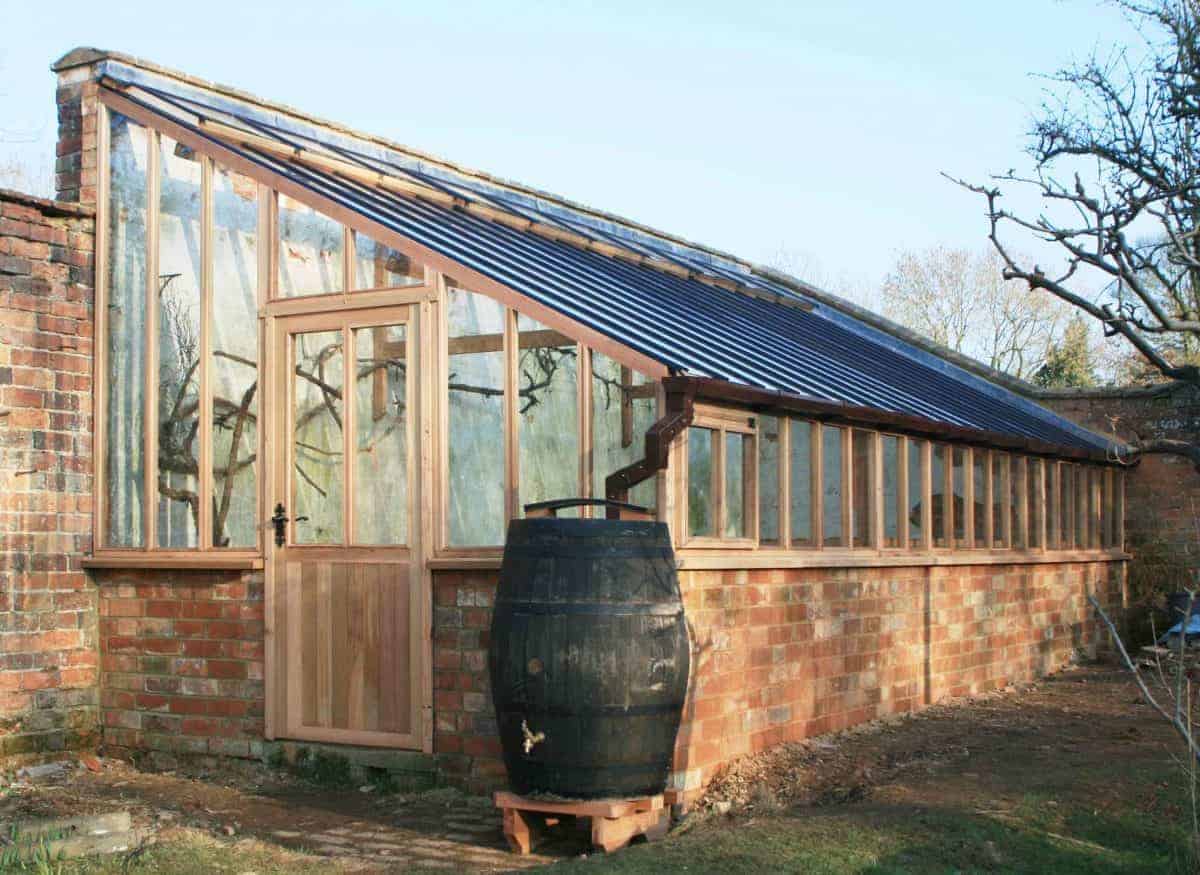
[(348, 647)]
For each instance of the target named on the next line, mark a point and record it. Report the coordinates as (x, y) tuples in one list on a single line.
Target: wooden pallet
[(614, 821)]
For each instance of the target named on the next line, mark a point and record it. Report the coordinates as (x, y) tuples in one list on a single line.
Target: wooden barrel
[(589, 655)]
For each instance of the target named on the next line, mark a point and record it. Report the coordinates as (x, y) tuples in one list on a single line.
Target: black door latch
[(280, 521)]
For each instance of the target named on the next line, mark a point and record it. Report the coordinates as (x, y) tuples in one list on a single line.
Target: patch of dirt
[(1082, 736), (1081, 727)]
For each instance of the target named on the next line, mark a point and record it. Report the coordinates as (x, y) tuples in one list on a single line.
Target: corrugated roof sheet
[(689, 325)]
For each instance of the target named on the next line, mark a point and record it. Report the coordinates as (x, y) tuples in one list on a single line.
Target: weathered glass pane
[(310, 251), (547, 413), (178, 340), (831, 487), (381, 435), (1092, 536), (1000, 499), (1081, 507), (475, 389), (862, 443), (768, 479), (1037, 501), (233, 369), (1106, 506), (958, 504), (938, 502), (738, 465), (800, 487), (125, 401), (319, 474), (891, 490), (1066, 506), (979, 481), (1017, 480), (916, 491), (624, 406), (377, 266), (701, 501)]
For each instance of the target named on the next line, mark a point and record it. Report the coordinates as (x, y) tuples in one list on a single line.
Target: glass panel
[(938, 494), (475, 378), (380, 435), (958, 504), (1067, 506), (916, 491), (1053, 505), (1081, 507), (831, 486), (1017, 480), (234, 365), (377, 266), (739, 464), (624, 406), (125, 402), (1037, 501), (891, 490), (1093, 521), (979, 477), (318, 473), (1000, 490), (768, 480), (801, 483), (701, 516), (1106, 507), (178, 340), (862, 444), (310, 251), (548, 414)]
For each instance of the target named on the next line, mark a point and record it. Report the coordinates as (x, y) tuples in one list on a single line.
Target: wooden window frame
[(721, 422), (149, 554)]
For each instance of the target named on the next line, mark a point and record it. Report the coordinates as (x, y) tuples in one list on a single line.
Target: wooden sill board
[(199, 562)]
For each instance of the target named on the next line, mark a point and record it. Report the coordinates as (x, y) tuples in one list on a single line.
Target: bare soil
[(1039, 758)]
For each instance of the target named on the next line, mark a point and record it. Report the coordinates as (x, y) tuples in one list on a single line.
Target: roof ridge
[(87, 55)]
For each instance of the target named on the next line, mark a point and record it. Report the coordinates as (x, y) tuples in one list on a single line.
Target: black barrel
[(589, 655)]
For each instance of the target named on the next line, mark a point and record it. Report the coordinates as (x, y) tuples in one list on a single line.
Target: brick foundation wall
[(1162, 494), (464, 731), (47, 606), (182, 662), (781, 655)]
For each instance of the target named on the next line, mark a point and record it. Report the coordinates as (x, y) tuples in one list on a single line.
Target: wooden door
[(346, 579)]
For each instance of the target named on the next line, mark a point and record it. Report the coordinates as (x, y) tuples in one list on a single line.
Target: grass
[(190, 852), (878, 840)]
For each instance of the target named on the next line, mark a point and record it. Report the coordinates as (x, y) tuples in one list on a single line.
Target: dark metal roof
[(692, 326)]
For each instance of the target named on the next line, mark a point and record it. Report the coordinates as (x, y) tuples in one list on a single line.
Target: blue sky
[(817, 129)]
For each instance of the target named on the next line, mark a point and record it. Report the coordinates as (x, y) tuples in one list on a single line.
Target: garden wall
[(1162, 493), (48, 649)]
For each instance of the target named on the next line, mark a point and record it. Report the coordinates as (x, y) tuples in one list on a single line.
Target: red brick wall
[(47, 606), (1162, 494), (182, 662), (464, 730), (781, 655)]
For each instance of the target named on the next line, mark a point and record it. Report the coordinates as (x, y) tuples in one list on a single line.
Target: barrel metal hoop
[(525, 608)]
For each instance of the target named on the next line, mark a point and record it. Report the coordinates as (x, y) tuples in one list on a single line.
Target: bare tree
[(962, 300), (1116, 159)]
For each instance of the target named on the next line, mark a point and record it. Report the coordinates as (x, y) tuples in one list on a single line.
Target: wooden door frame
[(412, 306)]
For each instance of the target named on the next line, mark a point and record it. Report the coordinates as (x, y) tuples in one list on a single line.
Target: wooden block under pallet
[(615, 822)]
